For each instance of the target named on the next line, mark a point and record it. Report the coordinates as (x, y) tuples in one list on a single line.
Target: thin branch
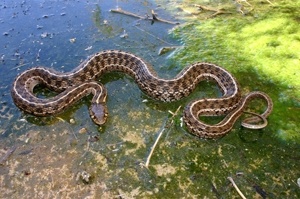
[(270, 2), (120, 11), (217, 11), (7, 154), (19, 66), (87, 148), (153, 147), (202, 7), (166, 125), (236, 187), (153, 18), (240, 1), (152, 35)]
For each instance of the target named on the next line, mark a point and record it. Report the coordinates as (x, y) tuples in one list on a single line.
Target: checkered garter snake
[(74, 85)]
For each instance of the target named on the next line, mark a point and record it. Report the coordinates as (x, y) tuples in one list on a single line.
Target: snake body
[(74, 85)]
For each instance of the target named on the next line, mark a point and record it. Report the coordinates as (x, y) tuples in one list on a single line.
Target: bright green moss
[(274, 49), (260, 49)]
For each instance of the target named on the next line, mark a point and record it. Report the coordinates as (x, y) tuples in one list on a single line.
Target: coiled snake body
[(80, 82)]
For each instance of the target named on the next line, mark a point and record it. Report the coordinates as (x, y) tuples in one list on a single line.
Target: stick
[(217, 11), (270, 2), (153, 147), (18, 66), (153, 35), (7, 154), (120, 11), (202, 7), (159, 135), (236, 188), (154, 16)]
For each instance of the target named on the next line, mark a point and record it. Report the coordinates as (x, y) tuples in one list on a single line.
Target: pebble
[(5, 33), (84, 176), (82, 131), (72, 40)]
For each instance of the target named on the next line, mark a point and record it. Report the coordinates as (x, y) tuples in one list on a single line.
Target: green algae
[(272, 45), (262, 51)]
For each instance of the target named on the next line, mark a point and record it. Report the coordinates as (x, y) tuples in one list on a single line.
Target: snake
[(82, 81)]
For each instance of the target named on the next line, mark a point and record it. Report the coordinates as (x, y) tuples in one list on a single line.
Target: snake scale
[(72, 86)]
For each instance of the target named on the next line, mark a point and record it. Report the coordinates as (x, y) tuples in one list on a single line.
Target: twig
[(240, 1), (154, 16), (240, 6), (270, 2), (87, 148), (257, 188), (7, 154), (217, 11), (159, 135), (153, 147), (120, 11), (202, 7), (153, 35), (18, 66), (236, 188)]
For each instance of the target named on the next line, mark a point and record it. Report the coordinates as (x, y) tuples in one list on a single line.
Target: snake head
[(98, 112)]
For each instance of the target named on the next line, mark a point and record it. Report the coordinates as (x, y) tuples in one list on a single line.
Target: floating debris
[(72, 40), (2, 58), (39, 27), (47, 16), (94, 138), (298, 182), (89, 48), (124, 35), (44, 35)]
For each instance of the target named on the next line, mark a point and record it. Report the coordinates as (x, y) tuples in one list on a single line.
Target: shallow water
[(69, 156)]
